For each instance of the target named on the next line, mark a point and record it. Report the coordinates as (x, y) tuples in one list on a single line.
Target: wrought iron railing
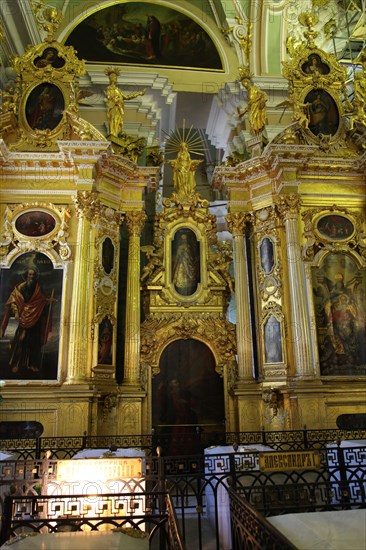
[(198, 484), (64, 447), (250, 530), (45, 513)]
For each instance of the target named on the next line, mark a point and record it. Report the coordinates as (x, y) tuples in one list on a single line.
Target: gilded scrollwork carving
[(272, 308), (135, 222), (288, 206), (36, 226), (221, 262), (110, 402), (154, 263), (237, 221), (159, 330), (318, 95), (87, 204), (7, 233)]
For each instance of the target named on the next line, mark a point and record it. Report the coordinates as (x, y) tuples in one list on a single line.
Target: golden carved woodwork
[(128, 146), (87, 204), (43, 106), (237, 221), (12, 241), (318, 96), (288, 205), (355, 241), (200, 314), (135, 222), (159, 330)]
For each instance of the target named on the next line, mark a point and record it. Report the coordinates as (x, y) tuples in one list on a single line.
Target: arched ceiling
[(206, 99)]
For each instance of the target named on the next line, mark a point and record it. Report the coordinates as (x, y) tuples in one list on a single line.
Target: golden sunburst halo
[(189, 136)]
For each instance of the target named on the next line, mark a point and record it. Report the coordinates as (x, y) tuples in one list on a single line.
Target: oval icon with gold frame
[(335, 227), (44, 107)]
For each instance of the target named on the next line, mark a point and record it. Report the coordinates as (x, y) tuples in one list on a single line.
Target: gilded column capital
[(87, 204), (236, 222), (288, 205), (135, 222)]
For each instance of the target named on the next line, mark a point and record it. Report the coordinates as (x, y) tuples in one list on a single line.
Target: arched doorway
[(188, 410)]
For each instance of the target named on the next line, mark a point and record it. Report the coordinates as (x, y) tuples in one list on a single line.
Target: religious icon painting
[(35, 223), (267, 255), (339, 296), (107, 255), (30, 312), (314, 65), (144, 33), (44, 107), (105, 341), (273, 340), (49, 58), (185, 262), (335, 227), (322, 112)]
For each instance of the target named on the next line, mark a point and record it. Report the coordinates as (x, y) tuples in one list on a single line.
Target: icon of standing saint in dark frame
[(30, 313), (267, 255), (105, 341), (273, 341), (44, 108), (107, 255), (323, 113), (185, 262)]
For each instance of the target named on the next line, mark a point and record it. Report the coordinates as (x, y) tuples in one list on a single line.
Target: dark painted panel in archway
[(144, 33), (188, 393), (20, 429), (356, 421)]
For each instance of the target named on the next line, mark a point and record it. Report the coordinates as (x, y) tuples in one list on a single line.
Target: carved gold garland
[(160, 330)]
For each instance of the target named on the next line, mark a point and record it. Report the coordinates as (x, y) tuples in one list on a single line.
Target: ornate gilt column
[(135, 223), (87, 209), (289, 207), (236, 223)]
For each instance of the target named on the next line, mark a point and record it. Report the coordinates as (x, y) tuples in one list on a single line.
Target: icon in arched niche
[(44, 107), (107, 255), (323, 112), (314, 65), (48, 58), (105, 341), (273, 340), (185, 262), (267, 255)]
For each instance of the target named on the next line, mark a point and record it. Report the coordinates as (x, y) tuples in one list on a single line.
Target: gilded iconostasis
[(182, 244)]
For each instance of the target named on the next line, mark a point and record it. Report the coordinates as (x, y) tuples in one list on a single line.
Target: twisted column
[(236, 223), (135, 223)]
